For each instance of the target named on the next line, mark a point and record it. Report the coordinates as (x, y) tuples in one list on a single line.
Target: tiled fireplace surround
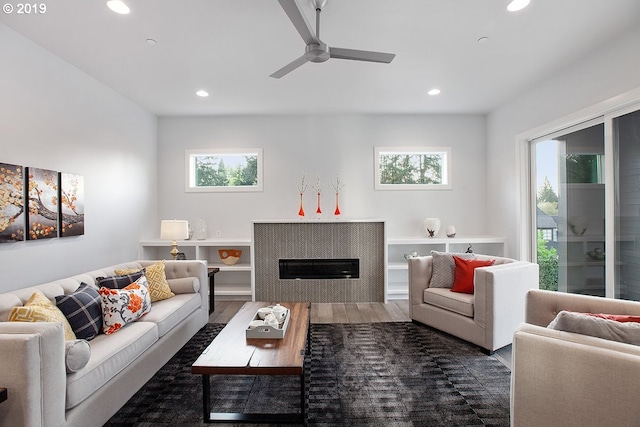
[(321, 239)]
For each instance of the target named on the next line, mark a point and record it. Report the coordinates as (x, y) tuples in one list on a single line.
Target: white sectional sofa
[(32, 355), (489, 316)]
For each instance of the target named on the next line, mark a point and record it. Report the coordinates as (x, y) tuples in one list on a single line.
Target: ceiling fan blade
[(289, 67), (299, 21), (361, 55)]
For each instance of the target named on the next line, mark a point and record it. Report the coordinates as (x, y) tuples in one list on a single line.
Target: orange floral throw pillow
[(463, 274), (123, 306)]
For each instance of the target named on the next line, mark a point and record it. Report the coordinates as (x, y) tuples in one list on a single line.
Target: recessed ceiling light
[(516, 5), (151, 42), (434, 92), (118, 6), (202, 93)]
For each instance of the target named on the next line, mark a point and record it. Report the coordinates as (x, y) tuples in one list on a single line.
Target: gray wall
[(324, 145), (53, 116)]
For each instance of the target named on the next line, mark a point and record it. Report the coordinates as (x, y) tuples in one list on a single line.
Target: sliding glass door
[(586, 225), (626, 137), (568, 174)]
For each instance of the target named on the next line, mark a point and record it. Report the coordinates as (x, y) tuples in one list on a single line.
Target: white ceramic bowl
[(271, 321), (262, 312), (256, 324)]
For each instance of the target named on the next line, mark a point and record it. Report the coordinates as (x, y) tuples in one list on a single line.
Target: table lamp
[(173, 230)]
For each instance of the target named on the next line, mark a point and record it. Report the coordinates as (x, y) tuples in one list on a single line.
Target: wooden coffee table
[(231, 353)]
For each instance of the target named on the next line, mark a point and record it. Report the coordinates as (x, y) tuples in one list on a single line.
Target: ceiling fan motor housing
[(317, 52), (317, 4)]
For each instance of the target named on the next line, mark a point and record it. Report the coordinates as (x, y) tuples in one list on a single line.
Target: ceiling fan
[(316, 50)]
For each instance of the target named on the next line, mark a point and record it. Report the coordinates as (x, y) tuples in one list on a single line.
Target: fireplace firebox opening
[(332, 268)]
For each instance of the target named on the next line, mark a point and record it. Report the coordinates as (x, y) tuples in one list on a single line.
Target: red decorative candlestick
[(302, 187), (336, 187), (301, 210)]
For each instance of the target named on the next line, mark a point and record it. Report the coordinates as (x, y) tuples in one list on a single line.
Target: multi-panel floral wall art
[(42, 198), (71, 205), (39, 203), (12, 209)]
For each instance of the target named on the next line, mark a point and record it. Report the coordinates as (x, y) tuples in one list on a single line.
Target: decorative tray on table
[(262, 324)]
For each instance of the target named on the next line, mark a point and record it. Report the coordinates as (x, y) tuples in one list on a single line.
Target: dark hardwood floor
[(361, 312)]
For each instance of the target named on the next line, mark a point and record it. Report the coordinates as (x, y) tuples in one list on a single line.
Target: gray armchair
[(489, 316)]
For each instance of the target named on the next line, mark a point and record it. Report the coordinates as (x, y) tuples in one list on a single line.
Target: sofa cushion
[(168, 313), (110, 354), (123, 306), (453, 301), (76, 354), (586, 324), (443, 268), (83, 310), (158, 286), (464, 273), (120, 281), (40, 309), (7, 302)]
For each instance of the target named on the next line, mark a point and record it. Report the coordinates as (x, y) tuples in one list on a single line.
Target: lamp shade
[(174, 229)]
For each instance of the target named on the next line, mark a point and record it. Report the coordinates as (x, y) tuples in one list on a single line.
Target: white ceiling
[(230, 47)]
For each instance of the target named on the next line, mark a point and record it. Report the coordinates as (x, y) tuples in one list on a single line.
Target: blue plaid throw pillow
[(120, 281), (83, 310)]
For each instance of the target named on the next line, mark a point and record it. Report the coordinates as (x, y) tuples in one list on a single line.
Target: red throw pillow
[(617, 317), (463, 273)]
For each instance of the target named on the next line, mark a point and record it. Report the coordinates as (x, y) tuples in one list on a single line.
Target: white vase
[(432, 226), (201, 229), (450, 231)]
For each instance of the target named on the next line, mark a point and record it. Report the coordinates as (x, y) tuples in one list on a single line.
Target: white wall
[(608, 71), (54, 116), (324, 145)]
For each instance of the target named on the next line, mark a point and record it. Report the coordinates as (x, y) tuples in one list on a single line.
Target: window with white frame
[(413, 168), (223, 170)]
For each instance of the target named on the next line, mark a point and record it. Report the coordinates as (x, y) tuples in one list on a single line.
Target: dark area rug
[(379, 374)]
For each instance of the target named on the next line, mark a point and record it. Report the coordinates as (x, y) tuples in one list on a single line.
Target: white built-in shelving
[(235, 281), (232, 281), (397, 265)]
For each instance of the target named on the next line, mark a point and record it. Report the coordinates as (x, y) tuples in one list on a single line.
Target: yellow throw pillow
[(40, 309), (158, 286)]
